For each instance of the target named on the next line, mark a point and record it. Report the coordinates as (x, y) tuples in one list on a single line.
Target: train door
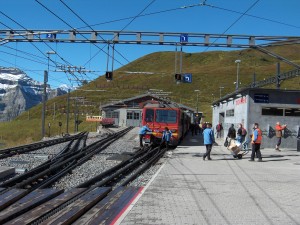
[(133, 118)]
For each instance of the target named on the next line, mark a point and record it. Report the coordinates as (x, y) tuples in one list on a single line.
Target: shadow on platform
[(195, 140)]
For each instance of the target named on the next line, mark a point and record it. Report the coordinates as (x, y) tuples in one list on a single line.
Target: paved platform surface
[(188, 190)]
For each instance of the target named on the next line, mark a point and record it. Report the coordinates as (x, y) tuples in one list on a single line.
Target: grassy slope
[(210, 71)]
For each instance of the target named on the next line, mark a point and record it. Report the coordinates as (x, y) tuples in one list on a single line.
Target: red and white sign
[(240, 101)]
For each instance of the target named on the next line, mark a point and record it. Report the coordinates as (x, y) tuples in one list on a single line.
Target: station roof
[(245, 91), (143, 98)]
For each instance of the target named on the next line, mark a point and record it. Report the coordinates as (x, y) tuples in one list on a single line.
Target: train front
[(158, 119)]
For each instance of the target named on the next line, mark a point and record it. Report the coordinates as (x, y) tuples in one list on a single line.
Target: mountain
[(19, 92)]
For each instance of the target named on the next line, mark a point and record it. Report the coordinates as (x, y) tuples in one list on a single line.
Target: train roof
[(142, 99)]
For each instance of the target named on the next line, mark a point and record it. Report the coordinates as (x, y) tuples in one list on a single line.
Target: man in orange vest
[(256, 141)]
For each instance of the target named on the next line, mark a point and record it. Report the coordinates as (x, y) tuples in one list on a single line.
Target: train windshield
[(166, 116), (149, 115)]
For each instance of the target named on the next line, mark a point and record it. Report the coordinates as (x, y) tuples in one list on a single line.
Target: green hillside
[(210, 71)]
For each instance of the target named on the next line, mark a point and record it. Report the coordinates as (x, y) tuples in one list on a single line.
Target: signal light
[(178, 76), (109, 75)]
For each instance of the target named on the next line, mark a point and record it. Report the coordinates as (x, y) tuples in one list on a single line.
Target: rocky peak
[(19, 92)]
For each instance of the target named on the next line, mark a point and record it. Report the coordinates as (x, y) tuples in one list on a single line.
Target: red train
[(159, 116)]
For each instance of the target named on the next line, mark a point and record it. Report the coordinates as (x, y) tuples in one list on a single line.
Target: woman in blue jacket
[(166, 137)]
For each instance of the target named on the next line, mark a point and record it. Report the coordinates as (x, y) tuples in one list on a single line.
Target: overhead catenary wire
[(126, 25), (54, 14), (142, 15), (207, 5), (27, 38), (33, 71), (187, 7), (88, 25), (231, 25), (100, 36), (36, 46), (253, 16)]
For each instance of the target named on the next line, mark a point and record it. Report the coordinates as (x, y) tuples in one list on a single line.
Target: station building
[(128, 112), (262, 106)]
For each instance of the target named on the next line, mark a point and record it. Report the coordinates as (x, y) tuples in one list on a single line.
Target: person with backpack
[(244, 134), (241, 133), (231, 132)]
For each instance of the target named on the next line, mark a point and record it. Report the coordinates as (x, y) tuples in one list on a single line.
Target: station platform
[(188, 190)]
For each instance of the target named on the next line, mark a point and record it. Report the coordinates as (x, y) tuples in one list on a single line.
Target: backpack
[(244, 132)]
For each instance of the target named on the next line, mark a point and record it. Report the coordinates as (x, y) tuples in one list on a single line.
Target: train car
[(159, 116), (105, 122)]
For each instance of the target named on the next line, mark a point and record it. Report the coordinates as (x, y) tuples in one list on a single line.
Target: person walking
[(209, 139), (219, 129), (166, 137), (231, 132), (278, 131), (142, 132), (244, 134), (239, 133), (256, 142)]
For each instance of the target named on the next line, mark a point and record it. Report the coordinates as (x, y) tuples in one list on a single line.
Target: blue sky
[(263, 17)]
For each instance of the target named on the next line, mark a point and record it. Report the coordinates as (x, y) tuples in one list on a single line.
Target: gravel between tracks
[(99, 162), (96, 165), (28, 161)]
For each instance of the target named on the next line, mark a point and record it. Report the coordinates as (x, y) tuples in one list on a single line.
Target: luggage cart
[(237, 149)]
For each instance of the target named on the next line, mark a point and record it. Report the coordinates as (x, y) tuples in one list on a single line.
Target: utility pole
[(44, 102), (221, 91), (68, 110), (75, 116), (46, 73), (278, 76), (54, 111), (197, 98), (238, 61)]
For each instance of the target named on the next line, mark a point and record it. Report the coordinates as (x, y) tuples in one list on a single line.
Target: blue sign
[(184, 38), (51, 36), (187, 78)]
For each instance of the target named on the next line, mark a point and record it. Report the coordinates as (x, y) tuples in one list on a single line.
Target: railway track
[(8, 152), (96, 201)]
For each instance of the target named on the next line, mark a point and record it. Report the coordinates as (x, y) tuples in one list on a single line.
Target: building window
[(272, 111), (115, 115), (230, 113), (136, 116), (292, 112), (112, 114), (129, 115)]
